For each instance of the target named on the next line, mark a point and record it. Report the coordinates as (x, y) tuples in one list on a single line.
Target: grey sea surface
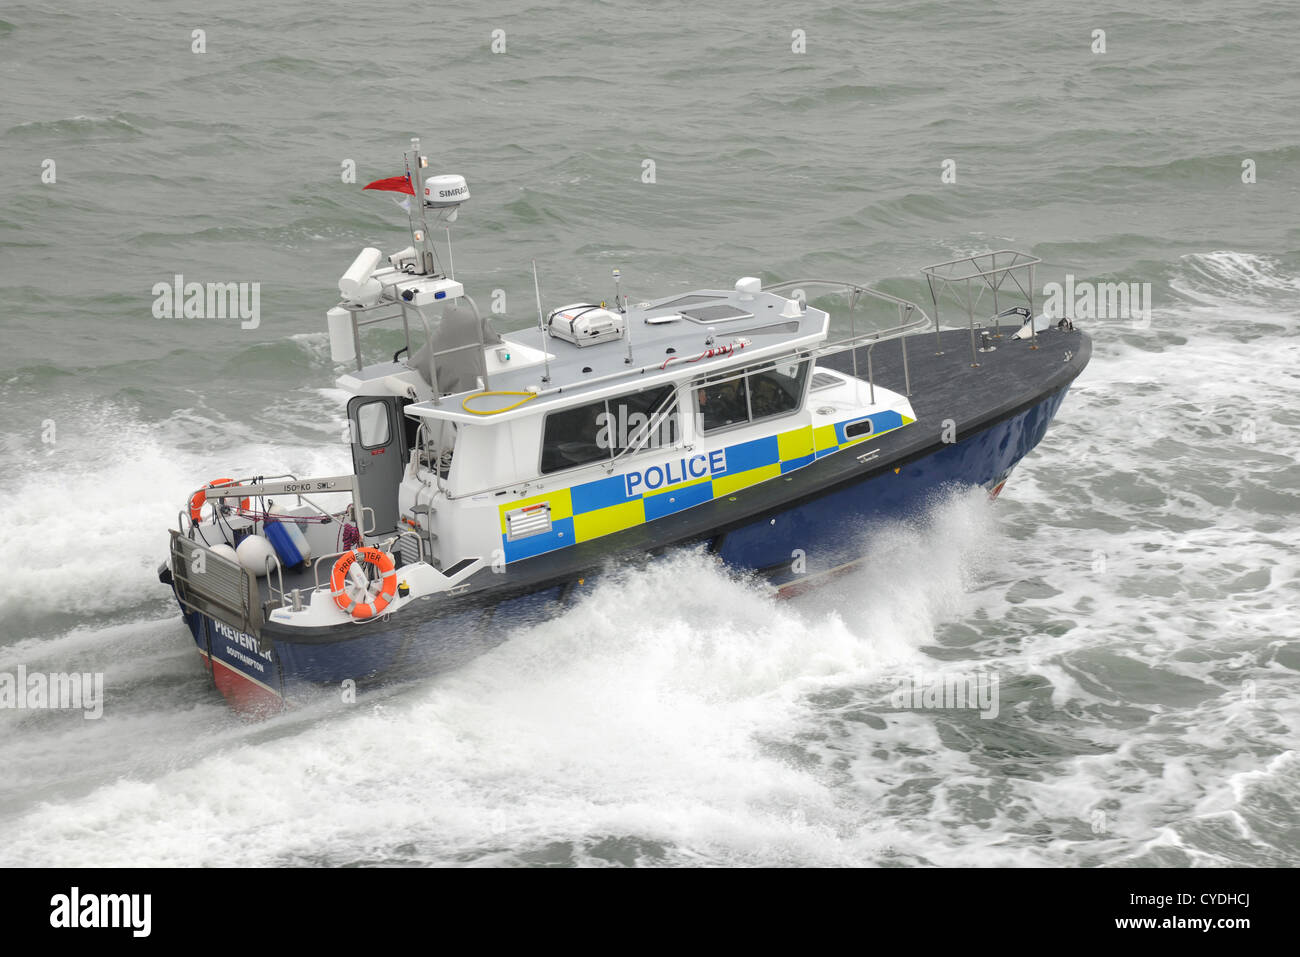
[(1134, 589)]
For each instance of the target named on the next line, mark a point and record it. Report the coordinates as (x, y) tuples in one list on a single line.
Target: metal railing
[(273, 594), (975, 275), (235, 489), (388, 545), (911, 319), (365, 316), (996, 272), (213, 585), (240, 488)]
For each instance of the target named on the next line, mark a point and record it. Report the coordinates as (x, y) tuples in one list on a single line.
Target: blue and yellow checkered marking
[(677, 498), (560, 535), (604, 493), (594, 509)]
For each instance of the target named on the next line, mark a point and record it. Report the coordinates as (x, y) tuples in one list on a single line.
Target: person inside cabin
[(723, 404), (759, 395), (767, 395)]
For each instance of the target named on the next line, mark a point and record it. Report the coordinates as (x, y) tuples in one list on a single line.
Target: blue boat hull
[(831, 523)]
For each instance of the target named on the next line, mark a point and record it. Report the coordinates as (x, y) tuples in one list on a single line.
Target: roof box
[(585, 324)]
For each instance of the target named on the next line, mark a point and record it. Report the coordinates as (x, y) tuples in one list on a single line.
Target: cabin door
[(379, 457)]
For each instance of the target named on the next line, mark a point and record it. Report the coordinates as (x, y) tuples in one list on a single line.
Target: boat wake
[(632, 728)]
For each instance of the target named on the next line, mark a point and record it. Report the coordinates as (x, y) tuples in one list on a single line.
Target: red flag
[(394, 184)]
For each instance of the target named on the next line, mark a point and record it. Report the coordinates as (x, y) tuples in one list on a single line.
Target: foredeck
[(946, 384)]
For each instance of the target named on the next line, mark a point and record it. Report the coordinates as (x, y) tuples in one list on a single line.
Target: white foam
[(631, 714), (92, 515)]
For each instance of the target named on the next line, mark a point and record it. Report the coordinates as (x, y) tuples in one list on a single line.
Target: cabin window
[(571, 437), (777, 390), (724, 404), (630, 416), (770, 390), (598, 431), (372, 423)]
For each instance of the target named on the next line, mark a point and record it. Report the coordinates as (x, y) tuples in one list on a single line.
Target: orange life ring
[(199, 497), (388, 588)]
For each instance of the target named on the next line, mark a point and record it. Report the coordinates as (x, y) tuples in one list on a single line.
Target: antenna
[(426, 244), (416, 236), (541, 327), (451, 260), (621, 301)]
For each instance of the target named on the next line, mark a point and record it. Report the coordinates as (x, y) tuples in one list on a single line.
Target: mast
[(541, 326), (422, 241)]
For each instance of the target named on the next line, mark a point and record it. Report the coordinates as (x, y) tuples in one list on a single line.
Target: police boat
[(497, 475)]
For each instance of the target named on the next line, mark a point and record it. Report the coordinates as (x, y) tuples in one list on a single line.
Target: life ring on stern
[(388, 587), (201, 496)]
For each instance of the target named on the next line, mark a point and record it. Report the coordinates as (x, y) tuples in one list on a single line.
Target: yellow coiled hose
[(464, 403)]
